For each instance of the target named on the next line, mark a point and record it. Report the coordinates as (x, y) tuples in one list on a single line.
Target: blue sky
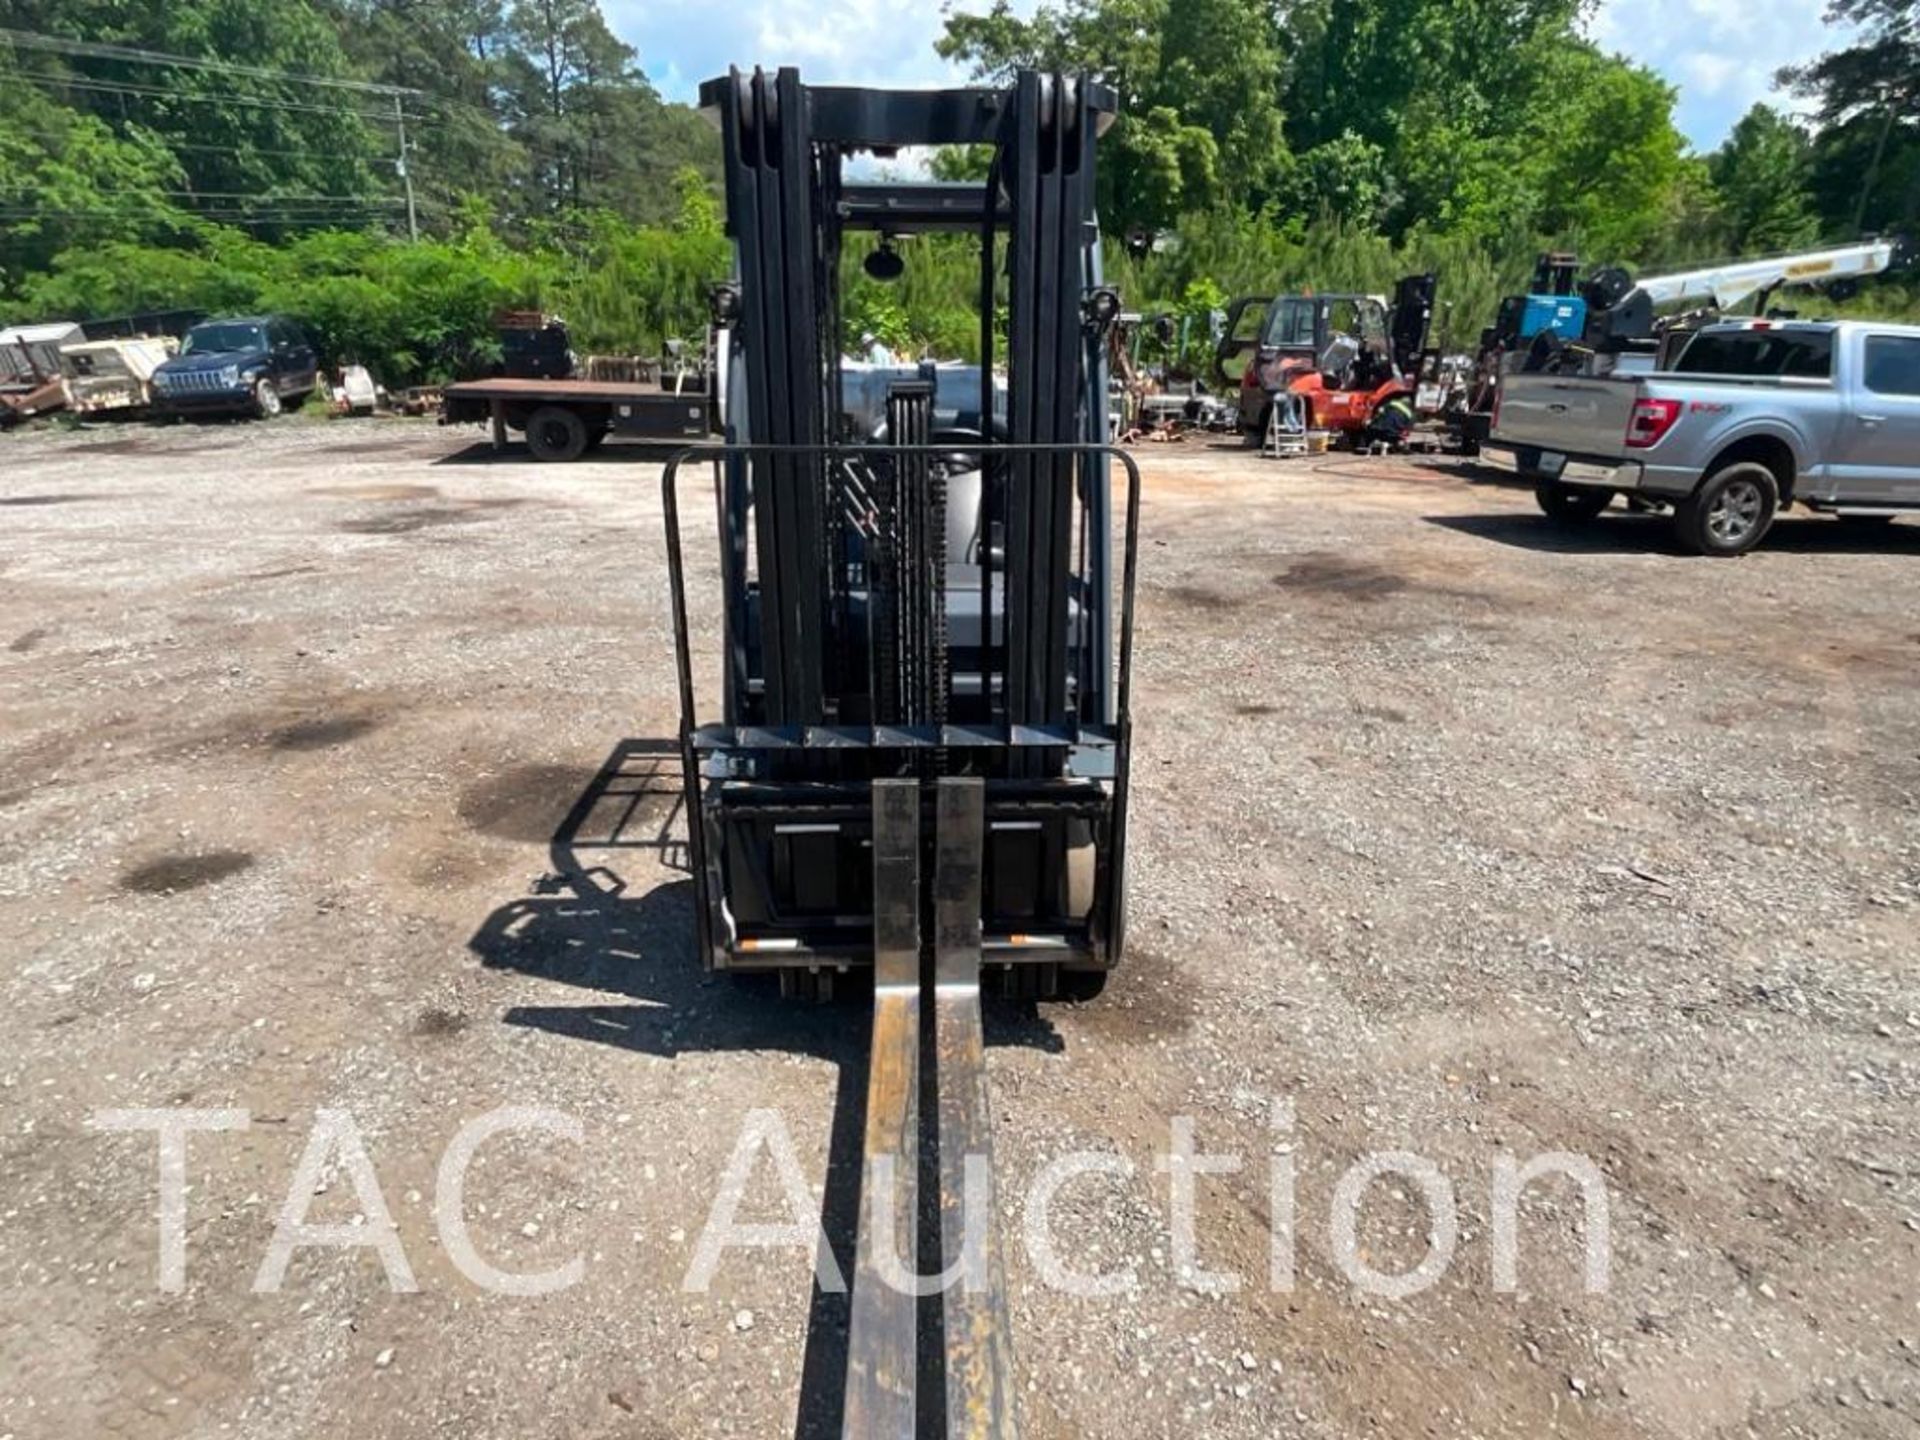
[(1721, 54)]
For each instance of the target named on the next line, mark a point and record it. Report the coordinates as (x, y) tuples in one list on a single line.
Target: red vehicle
[(1349, 357)]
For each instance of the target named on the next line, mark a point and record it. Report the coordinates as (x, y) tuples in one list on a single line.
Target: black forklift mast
[(923, 715)]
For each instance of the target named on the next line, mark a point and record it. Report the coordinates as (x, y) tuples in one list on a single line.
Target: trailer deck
[(565, 419)]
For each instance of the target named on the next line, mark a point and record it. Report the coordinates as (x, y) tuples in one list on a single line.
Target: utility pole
[(405, 169), (1873, 165)]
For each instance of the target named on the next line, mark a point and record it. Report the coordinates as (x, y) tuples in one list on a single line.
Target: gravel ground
[(1463, 836)]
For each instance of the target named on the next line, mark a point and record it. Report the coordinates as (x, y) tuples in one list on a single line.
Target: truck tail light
[(1650, 421)]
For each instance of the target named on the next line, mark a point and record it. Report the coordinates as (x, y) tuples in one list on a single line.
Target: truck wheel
[(266, 399), (1731, 512), (556, 433), (1571, 504)]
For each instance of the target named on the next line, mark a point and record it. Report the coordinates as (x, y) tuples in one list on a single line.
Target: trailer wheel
[(556, 433), (1731, 512), (1571, 504)]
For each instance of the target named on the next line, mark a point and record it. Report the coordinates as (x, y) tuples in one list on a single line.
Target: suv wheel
[(556, 433), (1731, 512), (266, 399), (1571, 504)]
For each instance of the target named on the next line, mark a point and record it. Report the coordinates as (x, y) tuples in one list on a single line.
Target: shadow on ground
[(636, 952), (614, 452), (1618, 532)]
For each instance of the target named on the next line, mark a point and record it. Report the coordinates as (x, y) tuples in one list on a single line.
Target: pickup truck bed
[(1826, 415)]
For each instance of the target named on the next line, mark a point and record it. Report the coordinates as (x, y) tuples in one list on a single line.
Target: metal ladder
[(882, 1399)]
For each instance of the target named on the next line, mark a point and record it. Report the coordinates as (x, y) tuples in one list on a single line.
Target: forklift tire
[(1730, 513), (1254, 438), (1571, 504), (556, 433), (1081, 986)]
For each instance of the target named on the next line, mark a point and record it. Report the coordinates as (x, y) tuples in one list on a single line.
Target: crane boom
[(1729, 284)]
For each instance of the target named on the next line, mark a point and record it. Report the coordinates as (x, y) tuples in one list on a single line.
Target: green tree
[(595, 133), (1611, 163), (453, 51), (1867, 155), (249, 146), (1198, 84), (1760, 175), (67, 179)]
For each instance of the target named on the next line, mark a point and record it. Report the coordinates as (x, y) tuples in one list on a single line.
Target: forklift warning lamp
[(724, 301), (1100, 307), (1650, 422)]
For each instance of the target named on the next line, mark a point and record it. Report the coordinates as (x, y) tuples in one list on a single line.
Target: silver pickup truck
[(1753, 416)]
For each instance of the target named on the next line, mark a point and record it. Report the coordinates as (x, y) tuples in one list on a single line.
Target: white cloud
[(833, 42), (1722, 54)]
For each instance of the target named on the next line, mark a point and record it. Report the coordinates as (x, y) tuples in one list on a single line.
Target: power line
[(171, 144), (267, 196), (240, 221), (59, 45), (161, 92)]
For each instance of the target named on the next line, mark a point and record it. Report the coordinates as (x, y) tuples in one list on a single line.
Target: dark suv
[(254, 365)]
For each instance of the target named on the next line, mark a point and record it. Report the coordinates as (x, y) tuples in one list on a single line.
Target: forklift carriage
[(934, 602)]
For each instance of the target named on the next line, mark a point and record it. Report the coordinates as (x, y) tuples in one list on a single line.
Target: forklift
[(917, 763), (1354, 362)]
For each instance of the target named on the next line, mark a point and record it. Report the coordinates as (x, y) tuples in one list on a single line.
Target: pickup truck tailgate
[(1567, 413)]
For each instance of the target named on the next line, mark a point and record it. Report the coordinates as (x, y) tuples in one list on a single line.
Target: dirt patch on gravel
[(428, 517), (322, 734), (26, 501), (374, 491), (173, 873), (526, 803), (28, 640), (438, 1023), (130, 445), (1325, 573)]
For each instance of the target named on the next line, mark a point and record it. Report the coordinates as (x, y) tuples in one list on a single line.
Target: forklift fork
[(976, 1344)]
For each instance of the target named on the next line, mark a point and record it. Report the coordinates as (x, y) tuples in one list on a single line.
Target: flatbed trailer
[(565, 419)]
